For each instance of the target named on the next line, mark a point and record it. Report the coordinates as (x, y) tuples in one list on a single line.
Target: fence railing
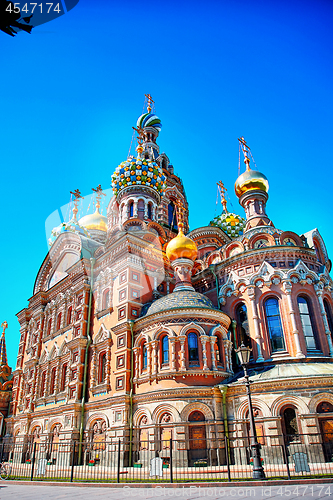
[(174, 460)]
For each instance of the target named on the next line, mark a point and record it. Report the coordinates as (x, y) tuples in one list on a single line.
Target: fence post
[(73, 460), (171, 468), (33, 462), (227, 456), (118, 463), (285, 455)]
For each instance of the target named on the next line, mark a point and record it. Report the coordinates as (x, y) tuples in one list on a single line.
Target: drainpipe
[(212, 269), (83, 400), (224, 389), (131, 324)]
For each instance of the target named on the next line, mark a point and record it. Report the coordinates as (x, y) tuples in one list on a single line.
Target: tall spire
[(3, 353)]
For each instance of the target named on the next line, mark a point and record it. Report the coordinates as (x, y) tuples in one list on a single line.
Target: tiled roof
[(179, 300)]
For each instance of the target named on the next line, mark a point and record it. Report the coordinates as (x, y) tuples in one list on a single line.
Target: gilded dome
[(94, 221), (181, 247), (251, 179)]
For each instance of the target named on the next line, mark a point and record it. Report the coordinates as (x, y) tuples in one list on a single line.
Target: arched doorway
[(289, 424), (197, 438), (325, 417)]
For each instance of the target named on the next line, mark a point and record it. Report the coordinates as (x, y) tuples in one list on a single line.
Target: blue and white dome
[(149, 120)]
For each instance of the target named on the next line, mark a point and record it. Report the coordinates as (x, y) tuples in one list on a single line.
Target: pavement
[(10, 490)]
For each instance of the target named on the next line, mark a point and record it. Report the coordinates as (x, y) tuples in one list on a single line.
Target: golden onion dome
[(94, 221), (181, 247), (251, 179)]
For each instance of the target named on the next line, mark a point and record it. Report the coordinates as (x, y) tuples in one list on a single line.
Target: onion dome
[(232, 224), (94, 221), (181, 247), (138, 171), (251, 179), (73, 226), (149, 120)]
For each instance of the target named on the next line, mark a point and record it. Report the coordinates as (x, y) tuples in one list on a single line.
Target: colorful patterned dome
[(179, 300), (149, 120), (73, 226), (233, 225), (138, 171)]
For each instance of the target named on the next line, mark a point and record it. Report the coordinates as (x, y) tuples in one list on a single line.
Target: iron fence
[(174, 460)]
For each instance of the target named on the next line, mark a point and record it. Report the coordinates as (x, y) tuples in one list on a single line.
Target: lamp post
[(258, 471)]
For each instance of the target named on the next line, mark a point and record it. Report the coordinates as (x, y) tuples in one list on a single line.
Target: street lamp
[(258, 471)]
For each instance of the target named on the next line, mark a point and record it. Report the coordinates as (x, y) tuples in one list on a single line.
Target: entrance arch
[(197, 437)]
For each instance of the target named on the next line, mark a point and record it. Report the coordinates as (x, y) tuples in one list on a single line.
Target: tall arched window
[(63, 377), (144, 357), (243, 333), (274, 325), (49, 327), (165, 349), (52, 382), (219, 350), (102, 368), (289, 424), (307, 323), (131, 209), (172, 218), (42, 383), (69, 315), (106, 299), (59, 321), (193, 350), (329, 316), (149, 211)]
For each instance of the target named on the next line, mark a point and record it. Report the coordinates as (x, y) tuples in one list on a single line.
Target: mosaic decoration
[(72, 226), (149, 120), (233, 225), (138, 171), (180, 299)]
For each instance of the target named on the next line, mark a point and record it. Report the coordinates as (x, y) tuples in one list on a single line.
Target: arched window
[(289, 424), (329, 316), (42, 383), (59, 321), (49, 327), (193, 350), (172, 218), (63, 377), (106, 298), (69, 315), (219, 350), (144, 357), (307, 323), (52, 382), (274, 325), (243, 333), (325, 407), (131, 209), (102, 368), (149, 211), (165, 349)]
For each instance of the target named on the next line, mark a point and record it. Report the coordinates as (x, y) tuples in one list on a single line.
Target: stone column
[(135, 209), (182, 363), (108, 364), (287, 286), (149, 358), (212, 350), (172, 341), (252, 295), (146, 209), (204, 339), (319, 292), (154, 345), (136, 351)]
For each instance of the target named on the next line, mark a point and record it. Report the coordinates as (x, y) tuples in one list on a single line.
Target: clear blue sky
[(72, 90)]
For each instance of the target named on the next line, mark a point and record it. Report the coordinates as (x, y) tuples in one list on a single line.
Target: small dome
[(149, 120), (138, 171), (94, 221), (181, 247), (251, 179), (232, 224), (73, 226), (179, 300)]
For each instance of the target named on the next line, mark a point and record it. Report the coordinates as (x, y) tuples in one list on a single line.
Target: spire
[(222, 190), (246, 150), (99, 194), (150, 102), (77, 196), (3, 353)]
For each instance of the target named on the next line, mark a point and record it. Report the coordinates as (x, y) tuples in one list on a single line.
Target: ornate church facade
[(134, 320)]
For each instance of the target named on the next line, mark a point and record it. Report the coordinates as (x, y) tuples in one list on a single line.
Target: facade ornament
[(287, 286), (251, 294), (319, 292)]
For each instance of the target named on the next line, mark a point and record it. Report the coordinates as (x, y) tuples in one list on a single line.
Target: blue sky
[(72, 90)]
